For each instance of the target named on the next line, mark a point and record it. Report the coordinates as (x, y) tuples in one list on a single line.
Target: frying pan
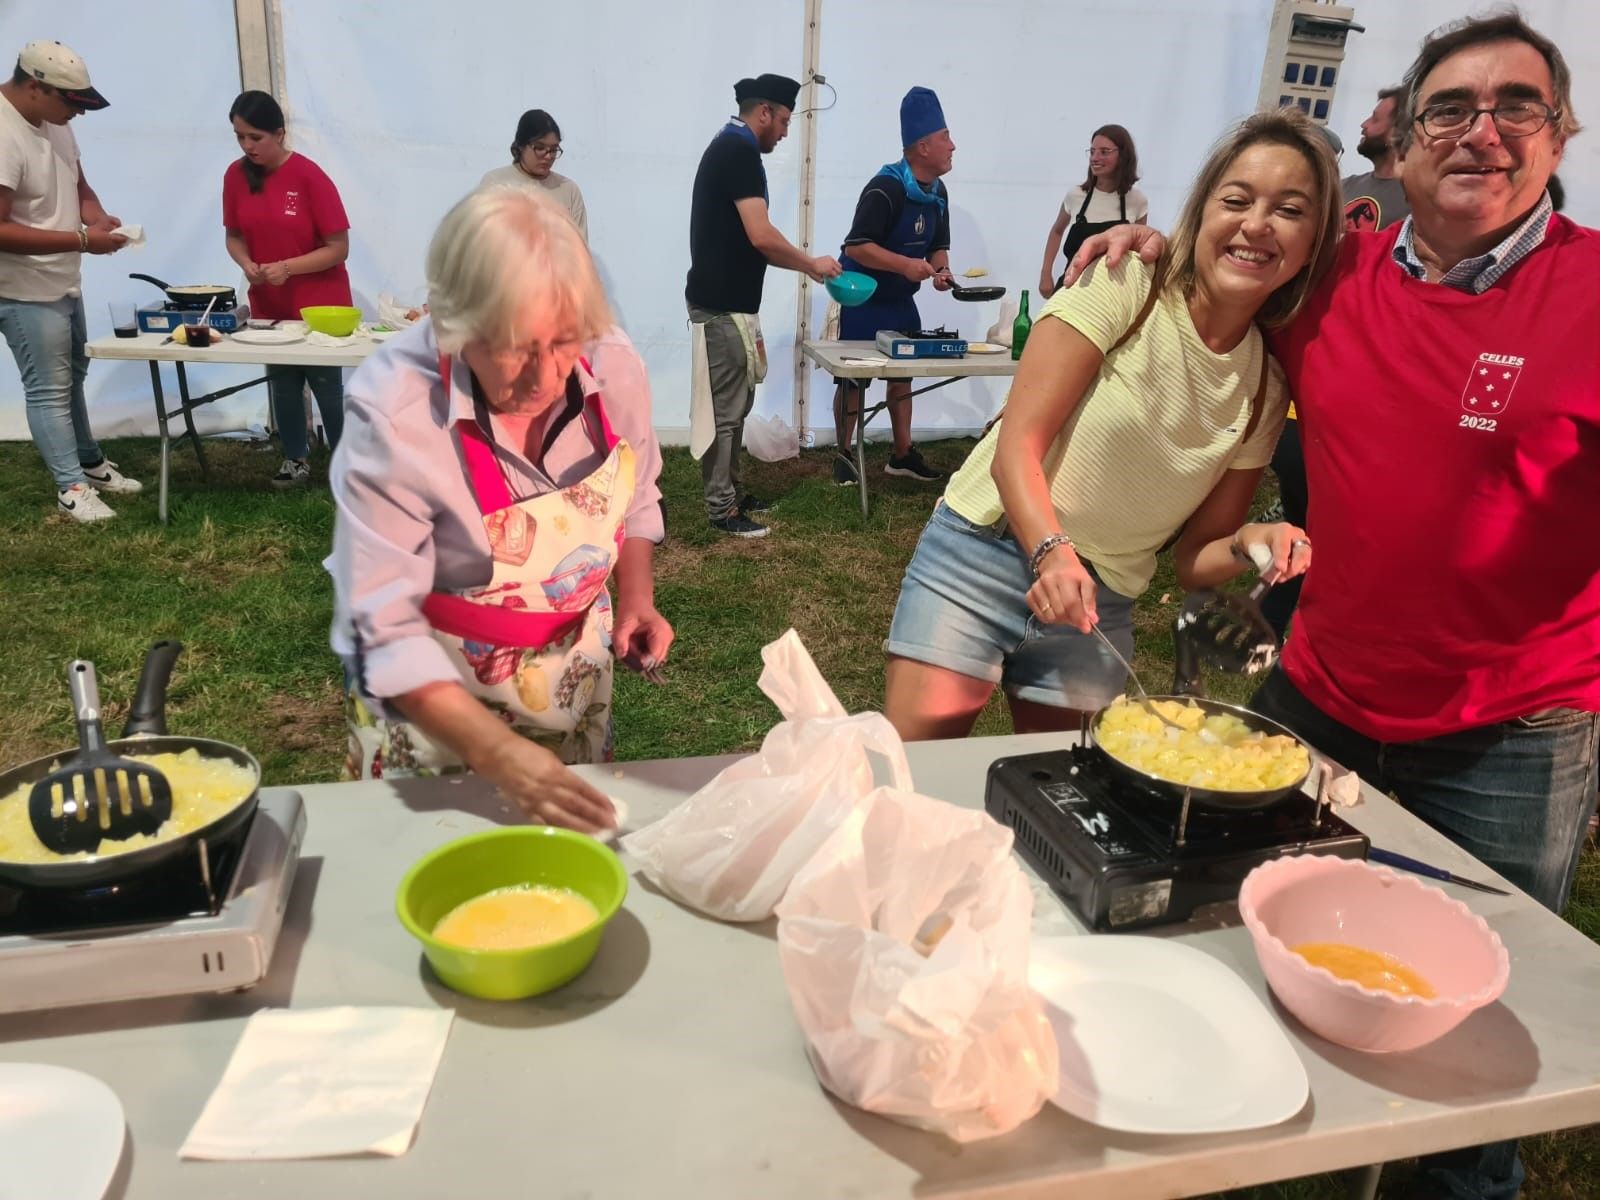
[(144, 733), (194, 296), (974, 294), (1207, 797)]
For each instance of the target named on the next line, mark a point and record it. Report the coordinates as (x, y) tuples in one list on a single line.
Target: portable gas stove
[(921, 343), (194, 925), (1124, 857), (160, 317)]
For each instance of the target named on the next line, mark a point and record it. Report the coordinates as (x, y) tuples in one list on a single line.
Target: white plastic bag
[(396, 313), (770, 440), (731, 849), (952, 1040), (1000, 332)]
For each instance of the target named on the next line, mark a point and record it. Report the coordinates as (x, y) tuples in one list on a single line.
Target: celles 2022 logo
[(1486, 397)]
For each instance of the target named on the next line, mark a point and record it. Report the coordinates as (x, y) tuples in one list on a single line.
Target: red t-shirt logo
[(1489, 385)]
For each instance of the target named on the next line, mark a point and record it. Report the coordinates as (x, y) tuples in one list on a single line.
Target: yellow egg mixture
[(1366, 967), (1213, 751), (516, 918), (202, 790)]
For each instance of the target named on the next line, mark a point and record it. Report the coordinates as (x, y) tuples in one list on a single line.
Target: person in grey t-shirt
[(1375, 199)]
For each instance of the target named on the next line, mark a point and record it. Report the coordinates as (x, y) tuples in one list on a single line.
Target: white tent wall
[(156, 158), (406, 105), (407, 102)]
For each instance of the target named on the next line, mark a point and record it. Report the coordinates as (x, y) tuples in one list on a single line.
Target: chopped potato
[(202, 790), (1215, 750)]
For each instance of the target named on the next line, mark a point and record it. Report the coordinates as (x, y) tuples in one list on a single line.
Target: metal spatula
[(98, 794), (1144, 696)]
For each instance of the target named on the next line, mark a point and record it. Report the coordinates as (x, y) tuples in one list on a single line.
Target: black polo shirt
[(725, 270)]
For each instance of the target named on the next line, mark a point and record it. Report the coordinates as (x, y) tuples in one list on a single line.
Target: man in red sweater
[(1447, 379)]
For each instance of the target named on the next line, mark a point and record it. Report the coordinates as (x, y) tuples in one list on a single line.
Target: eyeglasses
[(1094, 153), (550, 152), (1521, 119)]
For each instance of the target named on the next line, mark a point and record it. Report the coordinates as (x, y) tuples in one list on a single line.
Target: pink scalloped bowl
[(1312, 898)]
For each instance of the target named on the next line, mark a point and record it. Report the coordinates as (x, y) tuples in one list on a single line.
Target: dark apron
[(892, 305), (1081, 231)]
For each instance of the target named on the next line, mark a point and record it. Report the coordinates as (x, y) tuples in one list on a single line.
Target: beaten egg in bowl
[(1210, 750), (203, 789)]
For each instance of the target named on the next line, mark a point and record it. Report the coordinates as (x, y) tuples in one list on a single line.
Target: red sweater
[(293, 214), (1452, 447)]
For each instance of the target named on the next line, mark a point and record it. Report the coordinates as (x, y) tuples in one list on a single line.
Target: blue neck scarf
[(914, 190)]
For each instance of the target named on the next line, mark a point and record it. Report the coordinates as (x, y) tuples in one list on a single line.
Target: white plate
[(268, 337), (985, 348), (61, 1133), (1158, 1037)]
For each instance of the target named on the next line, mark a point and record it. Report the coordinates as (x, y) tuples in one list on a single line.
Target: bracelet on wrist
[(1050, 541), (83, 240)]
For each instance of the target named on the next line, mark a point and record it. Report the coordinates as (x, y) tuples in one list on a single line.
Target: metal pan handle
[(148, 714)]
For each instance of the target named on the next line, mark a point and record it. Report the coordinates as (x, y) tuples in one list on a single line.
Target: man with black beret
[(731, 241)]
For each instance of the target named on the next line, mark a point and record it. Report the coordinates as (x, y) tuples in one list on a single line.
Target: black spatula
[(1225, 630), (98, 794)]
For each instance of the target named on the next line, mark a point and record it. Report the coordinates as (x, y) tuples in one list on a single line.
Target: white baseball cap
[(54, 64)]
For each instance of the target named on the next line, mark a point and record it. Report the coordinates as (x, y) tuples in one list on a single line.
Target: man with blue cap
[(900, 236), (731, 241)]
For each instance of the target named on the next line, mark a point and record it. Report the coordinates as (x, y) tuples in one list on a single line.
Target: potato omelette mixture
[(516, 918), (1383, 972), (1215, 750), (202, 790)]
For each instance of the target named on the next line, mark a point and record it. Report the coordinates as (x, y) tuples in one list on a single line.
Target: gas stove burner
[(1123, 857), (940, 334), (169, 932)]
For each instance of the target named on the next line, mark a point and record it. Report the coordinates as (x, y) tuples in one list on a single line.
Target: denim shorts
[(962, 608)]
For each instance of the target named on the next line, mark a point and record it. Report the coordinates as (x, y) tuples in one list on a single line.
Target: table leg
[(1362, 1183), (166, 442), (861, 447), (188, 421)]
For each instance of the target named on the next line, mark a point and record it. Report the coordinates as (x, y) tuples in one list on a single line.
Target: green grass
[(237, 577)]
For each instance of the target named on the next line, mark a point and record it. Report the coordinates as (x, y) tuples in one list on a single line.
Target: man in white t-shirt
[(49, 218)]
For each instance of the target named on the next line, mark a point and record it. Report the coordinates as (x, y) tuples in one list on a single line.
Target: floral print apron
[(534, 644)]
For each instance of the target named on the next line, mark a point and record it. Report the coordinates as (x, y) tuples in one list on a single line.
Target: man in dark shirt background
[(731, 241), (1374, 199)]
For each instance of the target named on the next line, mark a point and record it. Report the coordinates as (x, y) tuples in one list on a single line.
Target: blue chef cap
[(920, 115)]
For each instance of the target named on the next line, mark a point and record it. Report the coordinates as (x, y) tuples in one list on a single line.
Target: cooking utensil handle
[(86, 703), (1390, 859), (1262, 557), (148, 713), (162, 284)]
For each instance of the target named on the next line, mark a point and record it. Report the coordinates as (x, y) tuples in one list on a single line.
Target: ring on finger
[(1300, 544)]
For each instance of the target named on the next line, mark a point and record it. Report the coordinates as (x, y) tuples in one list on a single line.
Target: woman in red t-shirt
[(288, 233)]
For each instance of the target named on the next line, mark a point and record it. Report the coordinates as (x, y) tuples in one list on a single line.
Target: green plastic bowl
[(851, 288), (483, 862), (335, 320)]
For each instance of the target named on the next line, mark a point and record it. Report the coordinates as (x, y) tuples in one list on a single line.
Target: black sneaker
[(911, 465), (844, 472), (753, 504), (739, 525)]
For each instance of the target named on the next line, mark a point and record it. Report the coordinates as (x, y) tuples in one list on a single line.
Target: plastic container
[(498, 858), (1312, 898), (335, 320), (851, 288)]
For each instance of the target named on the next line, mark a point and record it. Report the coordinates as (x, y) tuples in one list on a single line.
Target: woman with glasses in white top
[(1106, 197), (534, 151)]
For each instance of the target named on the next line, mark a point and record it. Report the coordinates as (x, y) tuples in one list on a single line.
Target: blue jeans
[(1516, 796), (287, 385), (47, 339)]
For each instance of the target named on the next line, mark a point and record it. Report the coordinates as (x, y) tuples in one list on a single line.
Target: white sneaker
[(295, 472), (82, 503), (106, 478)]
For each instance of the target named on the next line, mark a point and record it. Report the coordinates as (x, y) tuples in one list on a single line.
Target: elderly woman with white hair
[(497, 469)]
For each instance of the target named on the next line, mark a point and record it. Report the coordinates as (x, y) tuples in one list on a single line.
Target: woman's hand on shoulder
[(1114, 244)]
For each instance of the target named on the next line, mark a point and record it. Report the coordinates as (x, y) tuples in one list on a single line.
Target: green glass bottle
[(1020, 328)]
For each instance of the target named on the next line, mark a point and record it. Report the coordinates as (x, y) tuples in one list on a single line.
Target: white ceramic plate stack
[(1158, 1037), (61, 1133)]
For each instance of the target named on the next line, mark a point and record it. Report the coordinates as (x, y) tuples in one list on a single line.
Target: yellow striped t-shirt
[(1153, 435)]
